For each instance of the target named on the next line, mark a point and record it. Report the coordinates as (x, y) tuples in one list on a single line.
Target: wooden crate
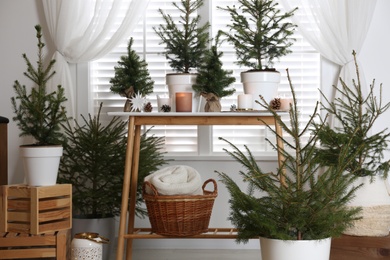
[(35, 210), (53, 245), (360, 248)]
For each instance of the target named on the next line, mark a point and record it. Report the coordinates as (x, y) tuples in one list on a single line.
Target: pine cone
[(148, 107), (166, 108), (275, 104)]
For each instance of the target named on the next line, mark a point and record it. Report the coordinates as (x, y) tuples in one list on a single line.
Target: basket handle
[(215, 191), (151, 186)]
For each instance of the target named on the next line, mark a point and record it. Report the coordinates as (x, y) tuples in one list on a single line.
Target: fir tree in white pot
[(39, 114), (296, 206), (93, 162), (260, 34), (185, 44)]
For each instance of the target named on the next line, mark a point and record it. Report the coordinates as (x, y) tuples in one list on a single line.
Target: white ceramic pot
[(374, 199), (182, 83), (103, 226), (86, 246), (264, 83), (41, 164), (274, 249)]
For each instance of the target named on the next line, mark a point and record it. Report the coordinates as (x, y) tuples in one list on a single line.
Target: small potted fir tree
[(93, 162), (213, 80), (132, 79), (354, 115), (185, 44), (260, 34), (295, 207), (39, 114)]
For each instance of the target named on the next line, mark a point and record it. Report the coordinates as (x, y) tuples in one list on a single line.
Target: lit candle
[(285, 103), (245, 101), (183, 102)]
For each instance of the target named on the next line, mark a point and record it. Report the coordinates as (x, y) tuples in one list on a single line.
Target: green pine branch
[(39, 113), (354, 115)]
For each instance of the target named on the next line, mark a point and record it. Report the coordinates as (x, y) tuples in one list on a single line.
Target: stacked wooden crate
[(35, 221)]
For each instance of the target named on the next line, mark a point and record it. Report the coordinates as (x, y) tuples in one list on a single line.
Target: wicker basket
[(180, 215)]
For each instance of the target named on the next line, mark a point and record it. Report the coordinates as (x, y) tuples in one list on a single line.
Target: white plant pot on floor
[(374, 198), (41, 164), (182, 83), (274, 249), (261, 83)]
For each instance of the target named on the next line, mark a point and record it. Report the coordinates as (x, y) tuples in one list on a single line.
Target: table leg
[(133, 190), (125, 189), (280, 145)]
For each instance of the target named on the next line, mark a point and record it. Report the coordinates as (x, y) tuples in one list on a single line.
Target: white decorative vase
[(86, 246), (274, 249), (182, 83), (41, 164), (374, 199), (261, 83), (105, 227)]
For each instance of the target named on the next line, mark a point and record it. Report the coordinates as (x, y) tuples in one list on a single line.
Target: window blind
[(303, 65)]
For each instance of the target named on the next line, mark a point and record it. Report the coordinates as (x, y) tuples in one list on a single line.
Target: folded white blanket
[(175, 180)]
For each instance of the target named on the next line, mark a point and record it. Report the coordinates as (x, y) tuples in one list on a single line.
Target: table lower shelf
[(216, 233)]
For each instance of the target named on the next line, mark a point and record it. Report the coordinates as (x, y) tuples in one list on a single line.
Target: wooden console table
[(136, 120)]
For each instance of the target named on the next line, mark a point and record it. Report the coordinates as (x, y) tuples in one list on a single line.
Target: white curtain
[(335, 28), (84, 30)]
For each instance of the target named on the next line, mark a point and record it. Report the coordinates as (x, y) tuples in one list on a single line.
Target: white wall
[(17, 36)]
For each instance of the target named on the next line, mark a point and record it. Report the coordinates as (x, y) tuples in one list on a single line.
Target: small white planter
[(41, 164), (262, 83), (274, 249), (182, 83)]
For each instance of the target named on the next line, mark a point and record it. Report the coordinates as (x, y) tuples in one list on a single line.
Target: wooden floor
[(193, 254)]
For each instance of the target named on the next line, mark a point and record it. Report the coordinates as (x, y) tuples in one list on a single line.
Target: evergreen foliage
[(185, 40), (131, 75), (39, 113), (295, 202), (354, 115), (259, 32), (94, 161), (212, 78)]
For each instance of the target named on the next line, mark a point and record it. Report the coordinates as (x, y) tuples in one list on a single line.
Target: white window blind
[(303, 65)]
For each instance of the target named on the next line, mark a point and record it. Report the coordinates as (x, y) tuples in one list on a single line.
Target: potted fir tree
[(132, 79), (353, 115), (185, 43), (294, 206), (39, 114), (212, 80), (93, 162), (260, 34)]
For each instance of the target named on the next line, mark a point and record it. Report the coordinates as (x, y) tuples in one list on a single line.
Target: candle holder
[(183, 102), (245, 102), (163, 102)]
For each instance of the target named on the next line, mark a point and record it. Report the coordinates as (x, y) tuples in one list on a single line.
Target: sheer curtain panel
[(335, 28), (86, 30)]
